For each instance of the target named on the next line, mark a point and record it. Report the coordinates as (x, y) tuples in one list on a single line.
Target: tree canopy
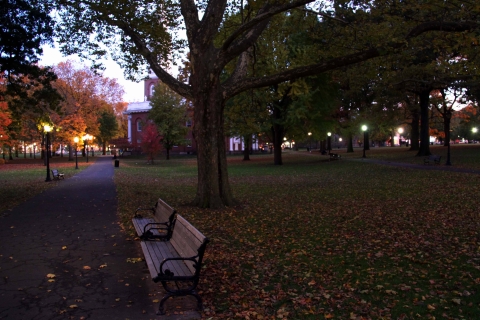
[(140, 35), (25, 25)]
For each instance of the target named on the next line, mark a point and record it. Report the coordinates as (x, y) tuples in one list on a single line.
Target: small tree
[(151, 142), (108, 128), (169, 113)]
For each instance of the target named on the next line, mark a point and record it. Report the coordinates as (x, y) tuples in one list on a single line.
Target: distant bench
[(334, 156), (432, 158), (175, 257), (57, 175)]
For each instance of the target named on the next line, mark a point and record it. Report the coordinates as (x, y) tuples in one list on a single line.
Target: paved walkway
[(64, 256)]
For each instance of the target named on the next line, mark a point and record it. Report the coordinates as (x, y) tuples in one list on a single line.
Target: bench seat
[(435, 159)]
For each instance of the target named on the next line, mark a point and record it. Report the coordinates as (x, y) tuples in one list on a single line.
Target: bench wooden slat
[(185, 243), (186, 240), (167, 250), (156, 251)]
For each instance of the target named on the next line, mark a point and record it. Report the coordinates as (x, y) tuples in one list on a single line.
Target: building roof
[(135, 107)]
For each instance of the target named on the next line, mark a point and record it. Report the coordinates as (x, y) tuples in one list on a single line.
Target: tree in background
[(108, 128), (245, 115), (151, 142), (24, 27), (87, 96), (144, 37), (169, 113)]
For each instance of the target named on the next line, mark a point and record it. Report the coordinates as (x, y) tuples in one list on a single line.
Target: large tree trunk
[(424, 124), (447, 117), (278, 132), (415, 130), (350, 142), (246, 150), (213, 190)]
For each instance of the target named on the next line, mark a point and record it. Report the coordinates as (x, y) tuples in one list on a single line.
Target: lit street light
[(76, 139), (310, 141), (47, 128), (364, 129), (329, 141), (85, 143)]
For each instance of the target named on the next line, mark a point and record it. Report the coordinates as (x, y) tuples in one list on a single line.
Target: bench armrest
[(167, 274), (154, 226)]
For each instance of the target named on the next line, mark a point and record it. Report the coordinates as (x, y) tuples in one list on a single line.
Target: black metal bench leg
[(161, 309), (199, 301)]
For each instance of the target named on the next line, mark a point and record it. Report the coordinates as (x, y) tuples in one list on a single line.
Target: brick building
[(137, 115)]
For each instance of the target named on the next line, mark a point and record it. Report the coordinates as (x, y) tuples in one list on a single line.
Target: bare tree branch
[(265, 13)]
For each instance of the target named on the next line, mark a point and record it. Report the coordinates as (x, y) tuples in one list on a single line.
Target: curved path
[(64, 256)]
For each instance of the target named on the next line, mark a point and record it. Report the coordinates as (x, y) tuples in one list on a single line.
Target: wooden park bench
[(158, 224), (176, 263), (334, 156), (57, 175), (435, 159)]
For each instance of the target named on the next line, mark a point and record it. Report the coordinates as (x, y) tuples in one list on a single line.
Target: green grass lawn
[(314, 239), (21, 179)]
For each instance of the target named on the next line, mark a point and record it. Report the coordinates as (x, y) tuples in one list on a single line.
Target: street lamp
[(47, 128), (91, 138), (364, 129), (310, 141), (76, 139), (85, 143), (329, 141)]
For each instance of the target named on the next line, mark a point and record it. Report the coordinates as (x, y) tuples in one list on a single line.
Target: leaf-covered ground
[(314, 239)]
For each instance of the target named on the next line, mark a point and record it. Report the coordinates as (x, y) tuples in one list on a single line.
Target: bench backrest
[(189, 242), (163, 212), (54, 172)]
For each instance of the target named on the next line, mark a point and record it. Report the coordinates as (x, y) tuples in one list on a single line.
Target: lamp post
[(474, 131), (76, 139), (47, 129), (329, 141), (85, 142), (364, 129), (310, 141)]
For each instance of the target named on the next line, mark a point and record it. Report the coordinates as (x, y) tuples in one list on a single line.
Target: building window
[(189, 123), (152, 89), (189, 143), (139, 125)]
